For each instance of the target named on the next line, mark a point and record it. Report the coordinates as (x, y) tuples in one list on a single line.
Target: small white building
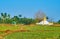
[(44, 22)]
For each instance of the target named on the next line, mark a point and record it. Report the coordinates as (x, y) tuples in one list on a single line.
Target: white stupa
[(44, 22)]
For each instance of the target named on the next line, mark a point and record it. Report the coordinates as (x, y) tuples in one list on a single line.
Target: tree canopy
[(6, 19)]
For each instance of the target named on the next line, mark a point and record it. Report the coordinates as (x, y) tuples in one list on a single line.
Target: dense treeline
[(6, 19)]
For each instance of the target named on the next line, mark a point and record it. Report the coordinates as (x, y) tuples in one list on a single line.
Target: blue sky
[(29, 7)]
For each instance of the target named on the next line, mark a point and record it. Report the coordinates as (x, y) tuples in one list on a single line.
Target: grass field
[(35, 32)]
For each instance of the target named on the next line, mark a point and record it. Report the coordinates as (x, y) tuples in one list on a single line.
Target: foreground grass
[(37, 32), (3, 28), (32, 28), (32, 35)]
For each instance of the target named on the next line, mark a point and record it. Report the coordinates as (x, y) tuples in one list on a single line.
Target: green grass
[(37, 32), (42, 28), (3, 28), (32, 28), (32, 35)]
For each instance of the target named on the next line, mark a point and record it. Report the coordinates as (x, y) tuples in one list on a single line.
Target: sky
[(28, 8)]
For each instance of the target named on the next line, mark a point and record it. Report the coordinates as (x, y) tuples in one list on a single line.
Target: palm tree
[(8, 16), (3, 16), (20, 15)]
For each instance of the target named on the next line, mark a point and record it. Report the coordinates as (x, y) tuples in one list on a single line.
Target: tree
[(8, 15), (20, 15), (59, 21), (16, 19), (27, 21), (47, 17), (39, 16), (3, 16)]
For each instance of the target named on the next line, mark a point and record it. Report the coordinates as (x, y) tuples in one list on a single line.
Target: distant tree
[(39, 15), (20, 19), (0, 20), (59, 21), (3, 16), (20, 15), (8, 15), (16, 19), (47, 17), (28, 21)]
